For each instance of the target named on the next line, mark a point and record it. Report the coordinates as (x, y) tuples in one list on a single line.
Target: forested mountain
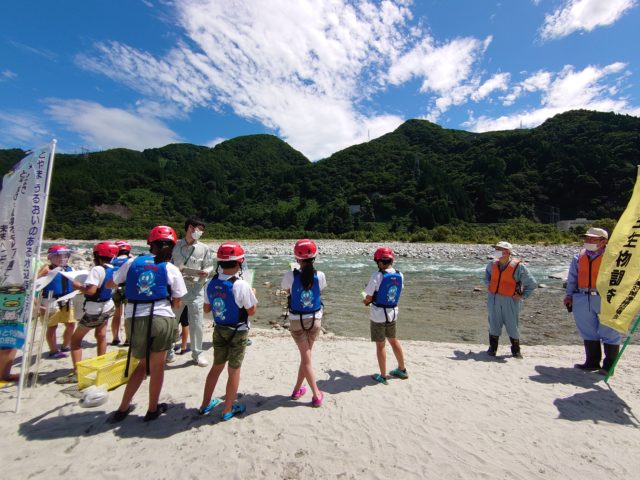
[(579, 163)]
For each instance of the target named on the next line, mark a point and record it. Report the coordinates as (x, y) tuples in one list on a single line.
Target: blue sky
[(322, 75)]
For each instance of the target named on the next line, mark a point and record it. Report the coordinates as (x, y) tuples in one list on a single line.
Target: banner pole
[(32, 291), (626, 342)]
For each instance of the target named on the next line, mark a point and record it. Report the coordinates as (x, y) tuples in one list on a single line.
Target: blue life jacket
[(303, 301), (388, 293), (60, 285), (224, 308), (118, 262), (147, 281), (103, 294)]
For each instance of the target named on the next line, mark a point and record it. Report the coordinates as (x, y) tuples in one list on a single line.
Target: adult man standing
[(196, 263), (508, 283), (583, 299)]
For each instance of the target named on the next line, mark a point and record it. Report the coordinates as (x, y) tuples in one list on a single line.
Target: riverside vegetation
[(420, 183)]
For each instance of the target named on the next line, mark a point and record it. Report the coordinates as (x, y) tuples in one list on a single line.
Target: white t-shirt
[(161, 308), (377, 313), (242, 294), (96, 277), (287, 283)]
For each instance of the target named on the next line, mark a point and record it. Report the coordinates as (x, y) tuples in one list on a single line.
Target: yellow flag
[(619, 275)]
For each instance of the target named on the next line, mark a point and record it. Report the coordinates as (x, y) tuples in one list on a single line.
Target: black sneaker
[(150, 416)]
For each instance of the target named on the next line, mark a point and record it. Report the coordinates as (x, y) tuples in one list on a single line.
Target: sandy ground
[(460, 415)]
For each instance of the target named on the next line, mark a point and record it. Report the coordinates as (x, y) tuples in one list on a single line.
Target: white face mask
[(496, 254), (592, 247), (196, 234)]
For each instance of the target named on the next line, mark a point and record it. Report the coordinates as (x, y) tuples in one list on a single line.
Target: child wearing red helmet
[(304, 285), (98, 305), (59, 287), (153, 287), (383, 293), (124, 253), (232, 301)]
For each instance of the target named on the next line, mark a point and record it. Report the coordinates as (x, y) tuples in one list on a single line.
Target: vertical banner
[(619, 275), (23, 203)]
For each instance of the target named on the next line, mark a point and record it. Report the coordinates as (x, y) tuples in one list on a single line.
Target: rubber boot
[(493, 345), (515, 347), (610, 354), (593, 355)]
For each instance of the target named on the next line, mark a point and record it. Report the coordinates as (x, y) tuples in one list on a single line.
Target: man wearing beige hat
[(508, 283), (583, 299)]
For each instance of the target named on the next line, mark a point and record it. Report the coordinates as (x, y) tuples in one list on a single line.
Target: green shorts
[(163, 333), (380, 331), (225, 351)]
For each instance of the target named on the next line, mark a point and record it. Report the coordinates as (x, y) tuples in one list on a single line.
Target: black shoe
[(515, 347), (150, 416), (587, 367), (115, 343), (493, 345), (593, 353), (610, 354), (119, 416)]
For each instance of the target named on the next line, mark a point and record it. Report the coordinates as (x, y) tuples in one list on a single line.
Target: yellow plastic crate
[(107, 369)]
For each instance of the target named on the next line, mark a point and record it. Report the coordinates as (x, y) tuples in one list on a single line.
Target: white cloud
[(500, 81), (215, 141), (586, 15), (22, 130), (447, 70), (103, 127), (42, 52), (299, 68), (7, 75), (589, 88), (538, 81)]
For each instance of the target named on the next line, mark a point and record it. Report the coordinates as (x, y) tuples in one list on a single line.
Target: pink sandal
[(317, 401), (298, 393)]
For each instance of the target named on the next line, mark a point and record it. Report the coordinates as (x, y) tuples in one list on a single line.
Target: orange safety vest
[(588, 270), (503, 282)]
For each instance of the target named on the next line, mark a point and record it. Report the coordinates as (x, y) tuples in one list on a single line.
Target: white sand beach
[(460, 415)]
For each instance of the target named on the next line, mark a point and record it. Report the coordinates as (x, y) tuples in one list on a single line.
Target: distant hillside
[(578, 163)]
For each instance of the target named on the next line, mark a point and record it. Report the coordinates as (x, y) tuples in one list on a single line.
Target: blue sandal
[(208, 408), (237, 409), (398, 373), (379, 378)]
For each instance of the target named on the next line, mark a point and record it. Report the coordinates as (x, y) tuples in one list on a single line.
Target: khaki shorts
[(62, 315), (225, 351), (380, 331), (118, 297), (304, 337), (163, 334), (95, 321)]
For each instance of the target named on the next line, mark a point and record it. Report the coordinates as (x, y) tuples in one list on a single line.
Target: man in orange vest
[(508, 283), (583, 299)]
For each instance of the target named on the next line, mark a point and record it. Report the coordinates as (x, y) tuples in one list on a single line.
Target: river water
[(438, 302)]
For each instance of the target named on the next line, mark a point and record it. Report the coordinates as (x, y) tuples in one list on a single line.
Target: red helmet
[(58, 250), (383, 253), (106, 249), (123, 245), (162, 232), (230, 251), (305, 249)]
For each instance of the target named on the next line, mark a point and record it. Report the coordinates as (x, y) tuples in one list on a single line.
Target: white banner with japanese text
[(23, 199)]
